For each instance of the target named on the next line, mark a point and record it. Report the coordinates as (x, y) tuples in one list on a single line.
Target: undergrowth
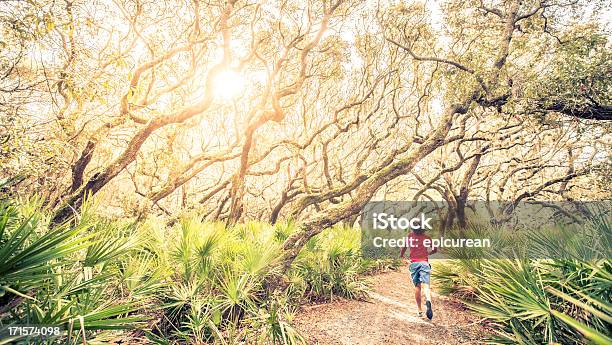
[(195, 282)]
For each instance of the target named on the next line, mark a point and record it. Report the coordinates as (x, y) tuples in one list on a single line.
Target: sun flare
[(228, 85)]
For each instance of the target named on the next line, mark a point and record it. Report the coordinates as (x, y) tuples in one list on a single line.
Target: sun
[(228, 85)]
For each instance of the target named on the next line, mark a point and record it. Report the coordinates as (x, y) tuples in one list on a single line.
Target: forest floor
[(389, 316)]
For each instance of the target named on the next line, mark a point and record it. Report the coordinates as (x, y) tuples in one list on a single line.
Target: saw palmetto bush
[(564, 296), (330, 265), (64, 276), (195, 282), (216, 279)]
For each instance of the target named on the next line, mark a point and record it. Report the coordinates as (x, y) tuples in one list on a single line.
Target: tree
[(307, 110)]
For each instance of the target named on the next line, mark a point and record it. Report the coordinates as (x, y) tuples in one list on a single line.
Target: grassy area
[(194, 282), (564, 300), (201, 282)]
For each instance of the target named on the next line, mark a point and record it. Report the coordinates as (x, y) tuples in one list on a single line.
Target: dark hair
[(419, 231)]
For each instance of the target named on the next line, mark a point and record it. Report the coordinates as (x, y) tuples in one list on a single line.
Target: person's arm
[(403, 250), (433, 249)]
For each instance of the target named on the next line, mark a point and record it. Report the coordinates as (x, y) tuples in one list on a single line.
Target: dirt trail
[(389, 317)]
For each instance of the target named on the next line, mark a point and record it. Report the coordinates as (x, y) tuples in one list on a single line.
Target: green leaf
[(587, 331)]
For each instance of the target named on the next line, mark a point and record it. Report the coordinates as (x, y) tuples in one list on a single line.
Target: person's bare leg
[(427, 291), (417, 297)]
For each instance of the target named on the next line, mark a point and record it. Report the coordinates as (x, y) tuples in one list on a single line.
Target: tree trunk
[(460, 212)]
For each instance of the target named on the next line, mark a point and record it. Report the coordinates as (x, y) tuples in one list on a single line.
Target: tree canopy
[(245, 110)]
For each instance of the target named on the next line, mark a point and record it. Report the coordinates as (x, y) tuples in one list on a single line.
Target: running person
[(420, 269)]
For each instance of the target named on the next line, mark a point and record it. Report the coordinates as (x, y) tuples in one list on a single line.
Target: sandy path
[(389, 317)]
